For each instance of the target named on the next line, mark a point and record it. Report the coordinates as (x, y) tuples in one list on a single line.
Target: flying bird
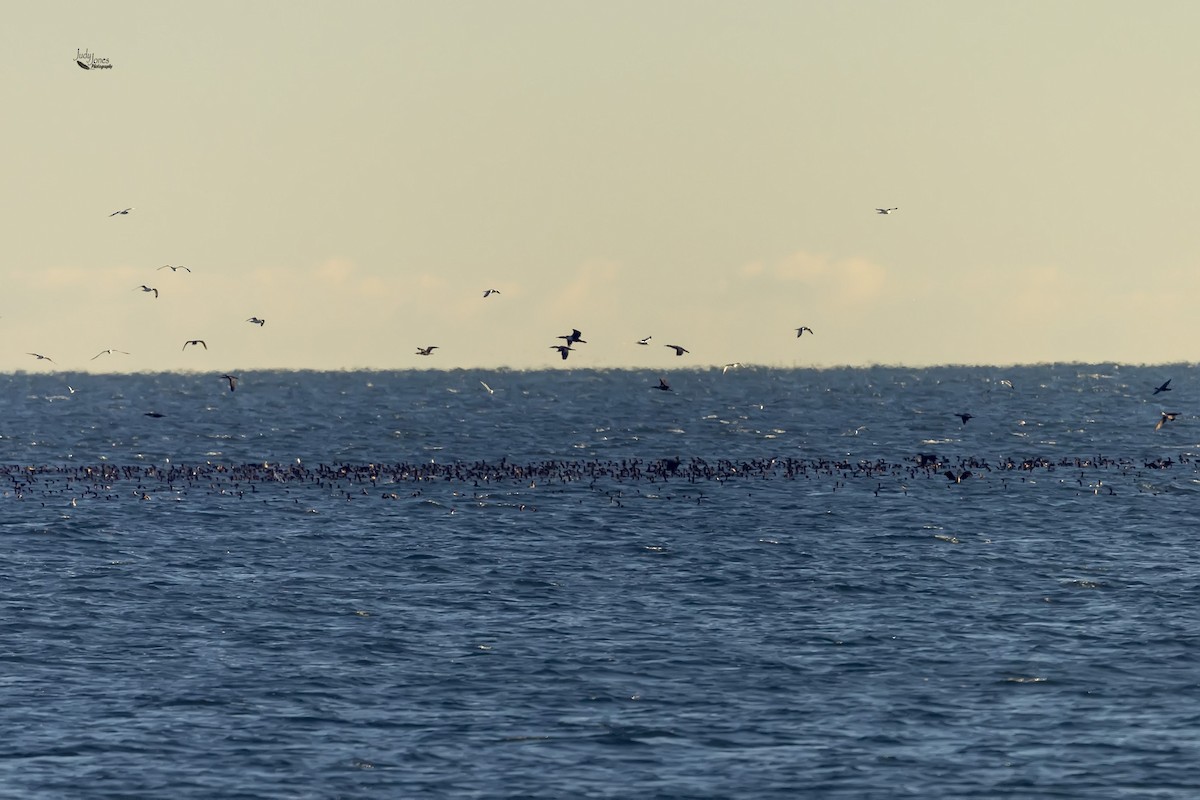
[(41, 357), (959, 478), (800, 331), (490, 292), (146, 288), (964, 417), (1167, 416), (490, 390), (232, 381), (728, 367), (109, 351), (173, 269), (257, 321), (663, 385), (573, 337), (885, 210), (562, 348), (122, 211), (645, 341), (426, 351), (1166, 387), (194, 341), (678, 350)]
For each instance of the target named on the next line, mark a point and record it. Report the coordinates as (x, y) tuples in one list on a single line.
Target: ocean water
[(571, 584)]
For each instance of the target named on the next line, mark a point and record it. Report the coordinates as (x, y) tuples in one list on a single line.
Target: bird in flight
[(1166, 387), (563, 349), (490, 390), (122, 211), (232, 381), (490, 292), (109, 351), (194, 341), (885, 210), (257, 321), (426, 351), (1167, 416), (41, 357), (663, 385), (573, 337), (645, 341), (174, 269), (146, 288), (959, 478), (678, 350), (800, 331), (964, 417), (728, 367)]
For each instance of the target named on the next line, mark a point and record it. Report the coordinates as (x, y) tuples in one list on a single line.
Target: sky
[(704, 173)]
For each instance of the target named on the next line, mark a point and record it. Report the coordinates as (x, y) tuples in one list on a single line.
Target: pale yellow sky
[(705, 173)]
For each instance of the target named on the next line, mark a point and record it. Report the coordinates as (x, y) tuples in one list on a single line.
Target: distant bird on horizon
[(573, 337), (1166, 387), (146, 288), (1167, 416), (200, 342), (800, 331), (964, 417), (123, 211), (959, 478), (426, 351), (490, 292), (173, 269), (563, 349), (663, 385), (885, 210), (645, 341), (109, 351), (728, 367), (678, 350), (41, 357), (233, 379), (257, 321)]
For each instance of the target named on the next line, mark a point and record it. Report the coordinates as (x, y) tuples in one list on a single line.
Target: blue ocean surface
[(469, 584)]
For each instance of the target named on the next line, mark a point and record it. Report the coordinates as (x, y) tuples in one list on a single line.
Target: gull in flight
[(146, 288), (885, 210), (1167, 416), (1166, 387), (109, 351), (174, 269), (490, 390), (194, 341), (678, 350), (489, 292), (728, 367), (645, 341), (800, 331), (563, 349), (122, 211), (232, 381), (41, 357), (257, 321), (426, 351)]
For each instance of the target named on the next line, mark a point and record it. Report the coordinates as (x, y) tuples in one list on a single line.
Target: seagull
[(489, 292), (232, 381), (174, 269), (573, 337), (728, 367), (41, 357), (194, 341), (662, 384), (490, 390), (1007, 382), (563, 348), (123, 211), (800, 331), (678, 350), (959, 478), (426, 351), (107, 352), (964, 417), (645, 341), (146, 288), (1167, 416), (885, 210), (257, 321), (1166, 387)]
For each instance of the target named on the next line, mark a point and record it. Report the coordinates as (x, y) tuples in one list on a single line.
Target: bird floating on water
[(257, 321), (678, 350), (1167, 416), (885, 210), (426, 351), (146, 288), (122, 211), (200, 342), (1166, 387), (800, 331), (109, 351), (232, 379)]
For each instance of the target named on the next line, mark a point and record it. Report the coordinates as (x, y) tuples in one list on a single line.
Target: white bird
[(146, 288), (488, 292), (122, 211), (885, 210), (41, 357), (485, 386), (174, 269), (800, 331), (728, 367), (645, 341), (107, 352)]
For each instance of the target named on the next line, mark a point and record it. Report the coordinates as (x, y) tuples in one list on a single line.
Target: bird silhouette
[(663, 385), (965, 417), (1166, 387), (200, 342), (426, 351), (1167, 416), (146, 288), (257, 321), (800, 331), (885, 210), (959, 478), (645, 341), (572, 338), (563, 349), (232, 379), (678, 350), (122, 211), (490, 292)]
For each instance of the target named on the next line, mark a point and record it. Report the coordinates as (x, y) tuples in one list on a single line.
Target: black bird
[(1167, 416), (662, 384), (927, 460), (572, 338), (1166, 387), (678, 350), (232, 381), (959, 478), (426, 351), (194, 341), (964, 417), (563, 349), (123, 211), (800, 331)]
